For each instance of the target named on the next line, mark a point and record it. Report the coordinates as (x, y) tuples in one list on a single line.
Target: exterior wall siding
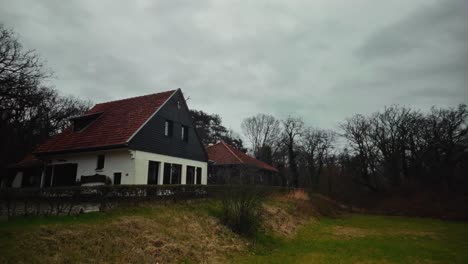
[(151, 137), (142, 160)]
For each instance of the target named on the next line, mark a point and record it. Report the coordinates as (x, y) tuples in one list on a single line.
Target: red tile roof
[(224, 154), (30, 161), (115, 126)]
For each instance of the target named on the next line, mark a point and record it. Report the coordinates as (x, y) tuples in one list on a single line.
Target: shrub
[(241, 209)]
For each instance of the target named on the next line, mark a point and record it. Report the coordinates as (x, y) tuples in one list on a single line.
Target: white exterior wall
[(131, 163), (114, 161), (141, 166)]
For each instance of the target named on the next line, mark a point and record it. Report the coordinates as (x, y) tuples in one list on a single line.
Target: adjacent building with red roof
[(141, 140), (230, 165)]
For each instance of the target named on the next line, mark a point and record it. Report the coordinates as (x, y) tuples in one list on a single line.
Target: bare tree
[(21, 76), (30, 111), (400, 145), (292, 130), (263, 131), (356, 131), (317, 145)]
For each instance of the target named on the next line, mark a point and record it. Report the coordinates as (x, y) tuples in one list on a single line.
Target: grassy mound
[(187, 232), (155, 233)]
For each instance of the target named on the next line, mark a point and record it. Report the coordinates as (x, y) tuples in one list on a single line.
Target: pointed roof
[(114, 125), (224, 154)]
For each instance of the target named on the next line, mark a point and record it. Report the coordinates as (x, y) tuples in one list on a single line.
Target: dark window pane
[(31, 178), (176, 174), (190, 175), (100, 162), (48, 176), (117, 178), (184, 133), (199, 175), (65, 174), (167, 173), (153, 172)]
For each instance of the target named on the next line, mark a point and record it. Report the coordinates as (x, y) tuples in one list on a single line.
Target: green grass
[(367, 239)]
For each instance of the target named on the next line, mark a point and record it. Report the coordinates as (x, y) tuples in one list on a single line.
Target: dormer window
[(81, 122)]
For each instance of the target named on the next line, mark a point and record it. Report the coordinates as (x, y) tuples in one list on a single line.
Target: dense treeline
[(30, 110), (395, 148), (401, 146), (210, 129)]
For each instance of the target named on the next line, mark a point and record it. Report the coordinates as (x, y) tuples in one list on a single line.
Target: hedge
[(70, 200)]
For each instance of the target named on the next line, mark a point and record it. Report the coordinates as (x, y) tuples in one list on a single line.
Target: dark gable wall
[(151, 137)]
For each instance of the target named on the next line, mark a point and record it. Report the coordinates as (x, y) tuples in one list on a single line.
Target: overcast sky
[(323, 60)]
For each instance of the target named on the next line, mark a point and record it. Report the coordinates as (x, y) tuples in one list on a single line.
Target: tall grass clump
[(241, 208)]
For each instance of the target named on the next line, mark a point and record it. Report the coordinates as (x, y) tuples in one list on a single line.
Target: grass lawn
[(191, 233), (367, 239)]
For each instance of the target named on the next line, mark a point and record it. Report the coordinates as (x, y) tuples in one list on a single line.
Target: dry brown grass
[(284, 214), (172, 235)]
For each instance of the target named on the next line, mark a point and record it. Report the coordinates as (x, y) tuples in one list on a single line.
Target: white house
[(142, 140)]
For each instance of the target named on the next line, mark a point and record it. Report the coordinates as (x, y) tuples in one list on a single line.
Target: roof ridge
[(232, 152), (135, 97)]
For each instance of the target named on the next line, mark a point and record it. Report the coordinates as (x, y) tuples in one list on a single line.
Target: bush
[(241, 209)]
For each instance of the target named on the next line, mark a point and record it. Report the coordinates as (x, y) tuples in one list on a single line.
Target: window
[(168, 126), (100, 162), (190, 175), (176, 174), (117, 178), (48, 176), (153, 172), (167, 173), (64, 174), (172, 173), (81, 122), (199, 175), (184, 133)]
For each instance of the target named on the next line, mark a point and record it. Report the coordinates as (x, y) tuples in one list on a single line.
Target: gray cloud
[(323, 60)]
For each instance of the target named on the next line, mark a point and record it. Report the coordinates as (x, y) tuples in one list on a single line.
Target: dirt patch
[(351, 232), (281, 221), (298, 195), (288, 212), (355, 232)]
